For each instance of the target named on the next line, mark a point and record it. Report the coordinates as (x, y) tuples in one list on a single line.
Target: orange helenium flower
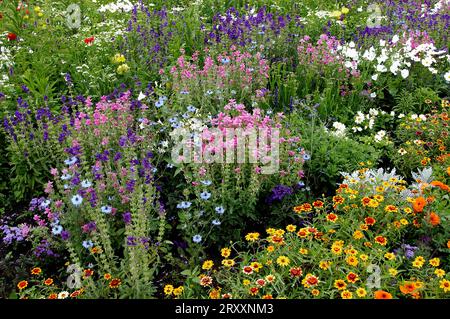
[(419, 204), (381, 294)]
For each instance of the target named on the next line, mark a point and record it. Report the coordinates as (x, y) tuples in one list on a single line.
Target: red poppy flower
[(89, 40), (11, 36), (296, 272)]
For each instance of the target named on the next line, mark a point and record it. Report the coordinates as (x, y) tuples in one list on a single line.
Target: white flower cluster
[(6, 61), (367, 121), (398, 56), (339, 129), (119, 6)]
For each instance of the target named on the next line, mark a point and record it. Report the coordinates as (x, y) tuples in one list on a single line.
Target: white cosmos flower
[(404, 73), (447, 76), (381, 68), (63, 295), (375, 77)]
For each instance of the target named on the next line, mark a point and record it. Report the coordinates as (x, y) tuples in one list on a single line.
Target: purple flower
[(126, 217)]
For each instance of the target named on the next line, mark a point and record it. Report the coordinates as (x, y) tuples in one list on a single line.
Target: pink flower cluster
[(324, 51), (234, 69)]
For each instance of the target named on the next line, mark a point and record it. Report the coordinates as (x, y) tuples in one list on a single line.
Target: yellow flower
[(325, 265), (168, 289), (435, 262), (393, 272), (404, 222), (336, 14), (252, 237), (303, 251), (37, 9), (352, 261), (389, 256), (228, 262), (358, 235), (119, 58), (315, 292), (270, 249), (407, 210), (246, 282), (439, 272), (345, 10), (207, 265), (363, 257), (291, 228), (279, 232), (346, 294), (256, 266), (340, 284), (373, 203), (270, 231), (123, 68), (178, 291), (445, 285), (361, 292), (283, 261), (225, 252), (418, 263)]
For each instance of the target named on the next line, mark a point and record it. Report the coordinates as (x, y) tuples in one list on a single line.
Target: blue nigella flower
[(184, 92), (71, 161), (159, 103), (66, 177), (86, 184), (106, 209), (173, 119), (186, 115), (209, 92), (220, 210), (77, 200), (176, 125), (184, 205), (57, 229), (87, 244), (206, 182), (205, 195), (197, 239), (225, 60), (216, 222), (45, 204), (191, 108), (306, 157), (170, 165)]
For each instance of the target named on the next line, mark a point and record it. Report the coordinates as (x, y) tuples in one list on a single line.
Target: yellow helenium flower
[(283, 261), (389, 256), (225, 252), (435, 262), (168, 289), (361, 292), (178, 291), (393, 272), (445, 285), (252, 237), (228, 262), (208, 264), (439, 272)]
